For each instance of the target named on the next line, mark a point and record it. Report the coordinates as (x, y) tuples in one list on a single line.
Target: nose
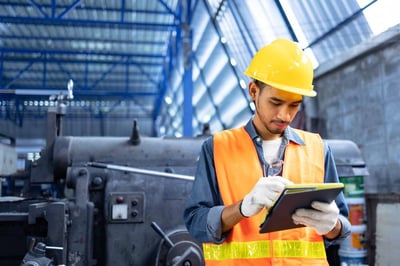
[(284, 113)]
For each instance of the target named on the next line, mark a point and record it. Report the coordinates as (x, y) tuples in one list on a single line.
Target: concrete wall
[(358, 99)]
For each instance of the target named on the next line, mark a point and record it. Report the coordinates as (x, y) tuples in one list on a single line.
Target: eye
[(275, 103)]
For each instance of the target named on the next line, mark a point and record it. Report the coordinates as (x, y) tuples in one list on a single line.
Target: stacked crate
[(353, 251), (352, 172)]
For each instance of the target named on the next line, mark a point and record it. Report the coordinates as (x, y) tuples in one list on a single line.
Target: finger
[(325, 207), (305, 220), (271, 185), (307, 213), (321, 206), (276, 186), (281, 179), (265, 199)]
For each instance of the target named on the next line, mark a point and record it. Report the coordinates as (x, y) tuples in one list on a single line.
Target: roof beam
[(340, 25), (70, 52), (85, 93), (15, 58), (68, 9), (86, 7), (87, 23)]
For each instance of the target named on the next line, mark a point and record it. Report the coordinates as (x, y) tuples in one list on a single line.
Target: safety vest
[(238, 169)]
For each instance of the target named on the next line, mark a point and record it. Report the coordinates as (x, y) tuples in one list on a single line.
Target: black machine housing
[(101, 201)]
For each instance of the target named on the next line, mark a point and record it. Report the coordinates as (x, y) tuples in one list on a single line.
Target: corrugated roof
[(125, 56), (110, 49)]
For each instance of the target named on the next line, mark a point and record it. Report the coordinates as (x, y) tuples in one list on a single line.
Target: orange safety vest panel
[(238, 169)]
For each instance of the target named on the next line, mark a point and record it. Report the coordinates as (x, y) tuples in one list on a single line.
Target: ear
[(253, 89)]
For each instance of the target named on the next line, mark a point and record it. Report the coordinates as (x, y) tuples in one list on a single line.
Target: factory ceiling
[(110, 49), (147, 59)]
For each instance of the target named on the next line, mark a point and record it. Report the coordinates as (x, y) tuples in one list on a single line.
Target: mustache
[(280, 121)]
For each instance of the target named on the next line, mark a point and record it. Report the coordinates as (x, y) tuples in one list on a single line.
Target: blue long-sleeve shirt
[(204, 206)]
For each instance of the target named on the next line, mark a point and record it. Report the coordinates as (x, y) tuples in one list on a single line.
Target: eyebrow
[(280, 100)]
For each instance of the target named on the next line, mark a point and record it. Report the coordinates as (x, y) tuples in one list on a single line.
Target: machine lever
[(158, 229), (139, 171)]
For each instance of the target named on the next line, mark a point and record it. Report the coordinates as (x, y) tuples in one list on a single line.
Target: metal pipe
[(139, 171)]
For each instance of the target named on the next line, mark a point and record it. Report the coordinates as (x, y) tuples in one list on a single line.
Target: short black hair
[(261, 85)]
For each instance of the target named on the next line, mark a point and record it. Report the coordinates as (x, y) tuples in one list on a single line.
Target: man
[(235, 184)]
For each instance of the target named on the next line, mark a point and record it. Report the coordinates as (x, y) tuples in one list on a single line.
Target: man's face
[(275, 110)]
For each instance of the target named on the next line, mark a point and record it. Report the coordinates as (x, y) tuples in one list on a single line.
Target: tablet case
[(279, 216)]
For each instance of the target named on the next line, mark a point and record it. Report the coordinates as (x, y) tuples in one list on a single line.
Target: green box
[(353, 186)]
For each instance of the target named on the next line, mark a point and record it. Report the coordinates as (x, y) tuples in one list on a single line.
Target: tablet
[(293, 197)]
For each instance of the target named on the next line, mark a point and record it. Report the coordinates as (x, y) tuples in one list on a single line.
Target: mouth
[(280, 124)]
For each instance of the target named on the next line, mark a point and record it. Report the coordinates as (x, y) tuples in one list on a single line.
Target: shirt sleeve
[(203, 208), (331, 176)]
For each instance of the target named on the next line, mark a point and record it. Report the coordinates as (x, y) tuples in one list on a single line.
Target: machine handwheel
[(185, 251)]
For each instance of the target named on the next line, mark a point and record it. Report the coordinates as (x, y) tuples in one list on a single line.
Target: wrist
[(240, 210), (336, 230)]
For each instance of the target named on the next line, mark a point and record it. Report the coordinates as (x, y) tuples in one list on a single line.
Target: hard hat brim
[(305, 92)]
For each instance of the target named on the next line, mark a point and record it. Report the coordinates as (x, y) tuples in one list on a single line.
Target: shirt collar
[(288, 135)]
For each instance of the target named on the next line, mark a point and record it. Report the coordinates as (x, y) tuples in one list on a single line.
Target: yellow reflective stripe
[(236, 250), (261, 249), (299, 249)]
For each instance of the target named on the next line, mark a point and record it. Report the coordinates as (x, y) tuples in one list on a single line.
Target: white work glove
[(323, 217), (263, 194)]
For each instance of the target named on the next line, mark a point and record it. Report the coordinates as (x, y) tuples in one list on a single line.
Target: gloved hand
[(323, 217), (263, 194)]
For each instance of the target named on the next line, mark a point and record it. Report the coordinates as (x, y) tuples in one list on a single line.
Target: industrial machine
[(101, 201)]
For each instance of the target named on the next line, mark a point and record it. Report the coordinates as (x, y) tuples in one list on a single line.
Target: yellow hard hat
[(283, 65)]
